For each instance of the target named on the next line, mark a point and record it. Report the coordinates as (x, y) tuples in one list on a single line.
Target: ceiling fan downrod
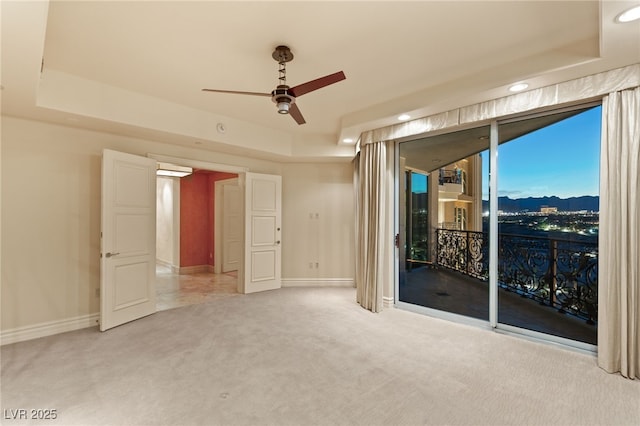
[(282, 55), (281, 96), (282, 73)]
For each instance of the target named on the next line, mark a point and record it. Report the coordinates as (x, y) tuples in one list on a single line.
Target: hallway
[(175, 290)]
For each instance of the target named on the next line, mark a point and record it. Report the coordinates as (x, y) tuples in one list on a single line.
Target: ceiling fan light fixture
[(172, 170), (283, 106)]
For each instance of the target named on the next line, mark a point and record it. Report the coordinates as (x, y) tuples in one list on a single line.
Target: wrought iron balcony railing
[(555, 272)]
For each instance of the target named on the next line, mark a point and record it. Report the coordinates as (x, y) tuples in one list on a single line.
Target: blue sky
[(562, 160)]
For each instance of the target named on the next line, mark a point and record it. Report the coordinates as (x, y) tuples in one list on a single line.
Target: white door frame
[(198, 164)]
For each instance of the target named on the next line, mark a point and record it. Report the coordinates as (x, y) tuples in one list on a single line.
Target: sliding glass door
[(548, 177), (443, 240), (544, 275)]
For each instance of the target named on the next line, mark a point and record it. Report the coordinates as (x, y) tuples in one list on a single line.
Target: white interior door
[(128, 244), (263, 199), (232, 220)]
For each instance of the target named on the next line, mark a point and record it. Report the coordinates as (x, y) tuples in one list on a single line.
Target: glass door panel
[(548, 177), (444, 256)]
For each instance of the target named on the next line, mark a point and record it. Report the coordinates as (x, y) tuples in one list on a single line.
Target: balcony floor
[(457, 293)]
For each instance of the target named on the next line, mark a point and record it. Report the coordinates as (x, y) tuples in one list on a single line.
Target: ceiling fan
[(284, 96)]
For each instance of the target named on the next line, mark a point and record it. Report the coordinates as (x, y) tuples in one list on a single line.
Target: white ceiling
[(419, 57)]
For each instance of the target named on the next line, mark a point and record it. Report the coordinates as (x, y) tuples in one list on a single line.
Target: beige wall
[(50, 223), (51, 217), (318, 221), (475, 174), (168, 221)]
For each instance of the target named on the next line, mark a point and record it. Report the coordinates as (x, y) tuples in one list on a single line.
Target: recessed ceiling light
[(347, 140), (518, 87), (404, 117), (629, 15), (171, 170)]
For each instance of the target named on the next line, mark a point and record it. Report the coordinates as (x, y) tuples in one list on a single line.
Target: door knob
[(108, 255), (278, 242)]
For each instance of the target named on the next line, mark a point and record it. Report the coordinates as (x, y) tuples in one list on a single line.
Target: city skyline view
[(561, 160)]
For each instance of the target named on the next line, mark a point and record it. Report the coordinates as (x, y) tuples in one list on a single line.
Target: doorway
[(190, 238), (175, 290), (128, 266)]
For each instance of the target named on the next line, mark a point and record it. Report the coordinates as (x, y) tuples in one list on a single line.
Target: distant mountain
[(533, 204)]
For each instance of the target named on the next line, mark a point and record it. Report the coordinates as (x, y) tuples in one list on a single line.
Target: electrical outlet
[(317, 264)]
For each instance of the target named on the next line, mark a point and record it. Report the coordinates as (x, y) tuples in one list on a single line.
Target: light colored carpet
[(307, 356)]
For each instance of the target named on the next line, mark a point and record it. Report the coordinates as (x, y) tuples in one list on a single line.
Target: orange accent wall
[(197, 216)]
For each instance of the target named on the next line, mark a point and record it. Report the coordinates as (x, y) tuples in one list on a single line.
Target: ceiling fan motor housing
[(281, 97)]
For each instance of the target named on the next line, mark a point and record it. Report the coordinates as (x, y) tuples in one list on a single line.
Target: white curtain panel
[(590, 87), (371, 203), (619, 243), (358, 213)]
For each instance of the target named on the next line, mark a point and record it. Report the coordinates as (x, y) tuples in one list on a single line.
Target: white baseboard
[(29, 332), (174, 269), (387, 302), (318, 282)]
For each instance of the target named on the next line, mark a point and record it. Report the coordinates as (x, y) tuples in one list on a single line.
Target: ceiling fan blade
[(294, 112), (316, 84), (235, 92)]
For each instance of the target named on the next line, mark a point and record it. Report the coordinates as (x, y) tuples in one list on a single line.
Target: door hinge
[(397, 240)]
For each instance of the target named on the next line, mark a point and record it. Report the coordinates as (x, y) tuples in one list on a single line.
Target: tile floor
[(460, 294), (174, 290)]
